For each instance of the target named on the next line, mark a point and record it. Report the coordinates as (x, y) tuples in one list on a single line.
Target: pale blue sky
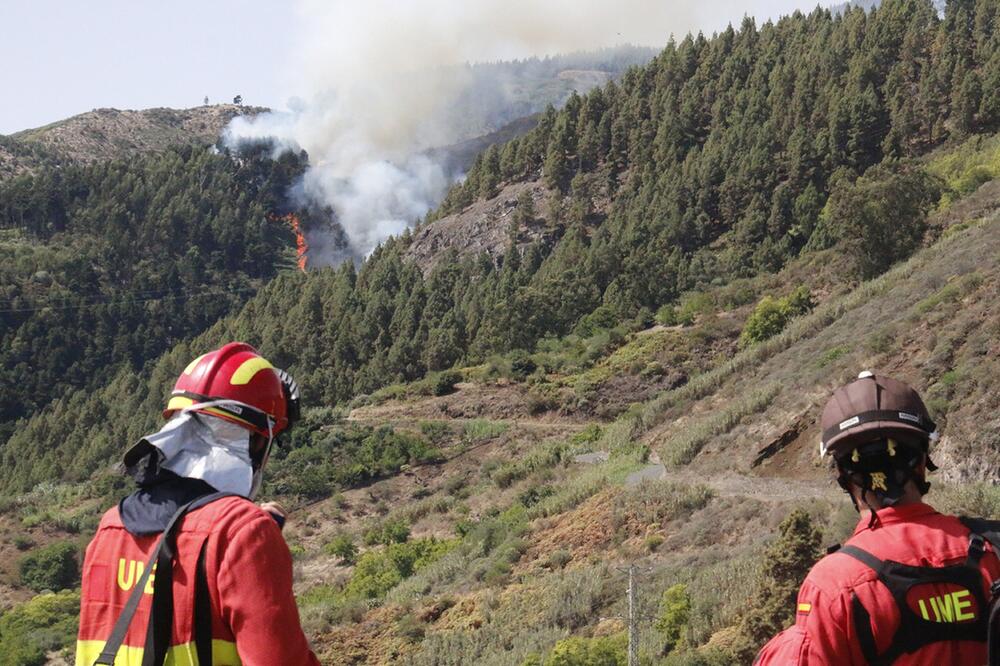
[(61, 58)]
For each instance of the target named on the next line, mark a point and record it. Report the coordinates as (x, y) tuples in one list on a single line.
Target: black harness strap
[(160, 629), (161, 617), (863, 556), (202, 612), (863, 627)]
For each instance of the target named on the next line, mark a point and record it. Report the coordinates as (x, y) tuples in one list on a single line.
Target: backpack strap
[(863, 556), (859, 614), (161, 615), (160, 629), (202, 612), (988, 529), (863, 628)]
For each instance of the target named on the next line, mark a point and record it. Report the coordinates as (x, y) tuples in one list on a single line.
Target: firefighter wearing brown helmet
[(911, 585)]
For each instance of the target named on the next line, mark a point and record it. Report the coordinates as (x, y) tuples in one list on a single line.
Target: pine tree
[(786, 562)]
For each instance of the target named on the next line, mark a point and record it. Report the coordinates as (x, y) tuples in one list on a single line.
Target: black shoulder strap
[(988, 529), (202, 612), (863, 628), (863, 556), (161, 618)]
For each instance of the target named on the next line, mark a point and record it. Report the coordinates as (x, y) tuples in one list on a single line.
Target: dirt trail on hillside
[(757, 487), (474, 402), (498, 402)]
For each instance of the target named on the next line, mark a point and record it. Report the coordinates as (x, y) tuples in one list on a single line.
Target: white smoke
[(373, 81)]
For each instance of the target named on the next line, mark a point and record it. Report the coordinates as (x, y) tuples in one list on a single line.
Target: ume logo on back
[(129, 573), (943, 603)]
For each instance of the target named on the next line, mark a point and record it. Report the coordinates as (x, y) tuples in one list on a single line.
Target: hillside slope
[(104, 134), (547, 507), (518, 503), (729, 454)]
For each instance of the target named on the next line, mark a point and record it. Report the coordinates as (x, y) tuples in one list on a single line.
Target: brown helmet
[(874, 406)]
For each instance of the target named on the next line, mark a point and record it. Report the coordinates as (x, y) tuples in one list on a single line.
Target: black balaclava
[(882, 467)]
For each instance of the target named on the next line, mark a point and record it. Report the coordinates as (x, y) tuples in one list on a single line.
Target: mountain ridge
[(108, 133)]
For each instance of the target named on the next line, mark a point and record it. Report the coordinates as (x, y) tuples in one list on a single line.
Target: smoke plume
[(376, 83)]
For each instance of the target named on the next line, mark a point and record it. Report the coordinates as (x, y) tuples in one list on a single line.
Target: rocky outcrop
[(483, 227)]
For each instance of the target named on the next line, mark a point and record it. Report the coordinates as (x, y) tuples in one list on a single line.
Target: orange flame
[(301, 246)]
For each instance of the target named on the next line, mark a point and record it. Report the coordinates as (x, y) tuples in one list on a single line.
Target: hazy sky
[(65, 57)]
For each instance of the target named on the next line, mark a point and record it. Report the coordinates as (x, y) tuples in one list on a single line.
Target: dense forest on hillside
[(108, 266), (723, 158)]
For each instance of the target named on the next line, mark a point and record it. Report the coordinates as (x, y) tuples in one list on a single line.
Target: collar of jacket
[(149, 509), (895, 514)]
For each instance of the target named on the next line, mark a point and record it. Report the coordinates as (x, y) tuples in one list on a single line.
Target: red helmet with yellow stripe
[(248, 389)]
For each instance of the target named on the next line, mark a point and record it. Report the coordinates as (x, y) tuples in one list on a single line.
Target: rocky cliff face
[(484, 226)]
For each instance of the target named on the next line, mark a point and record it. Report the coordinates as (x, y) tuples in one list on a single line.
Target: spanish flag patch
[(805, 608)]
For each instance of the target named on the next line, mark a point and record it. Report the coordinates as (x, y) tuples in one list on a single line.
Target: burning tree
[(301, 246)]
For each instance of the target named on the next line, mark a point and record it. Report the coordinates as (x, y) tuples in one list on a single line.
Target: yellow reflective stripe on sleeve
[(805, 608), (223, 654), (248, 369)]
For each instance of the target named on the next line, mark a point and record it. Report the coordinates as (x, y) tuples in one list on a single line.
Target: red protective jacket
[(249, 572), (824, 631)]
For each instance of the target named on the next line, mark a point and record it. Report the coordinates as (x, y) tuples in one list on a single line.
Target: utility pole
[(633, 620)]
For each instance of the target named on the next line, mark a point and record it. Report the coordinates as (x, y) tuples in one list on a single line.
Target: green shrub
[(602, 318), (771, 315), (480, 430), (599, 651), (531, 496), (559, 558), (521, 365), (674, 615), (455, 484), (653, 542), (410, 628), (444, 382), (45, 623), (831, 355), (392, 531), (785, 565), (377, 572), (320, 460), (343, 547), (436, 431), (53, 567), (667, 315)]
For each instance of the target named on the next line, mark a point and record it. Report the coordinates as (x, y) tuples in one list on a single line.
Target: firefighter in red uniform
[(220, 591), (911, 586)]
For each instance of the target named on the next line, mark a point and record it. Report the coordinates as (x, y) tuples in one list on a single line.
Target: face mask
[(196, 446)]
